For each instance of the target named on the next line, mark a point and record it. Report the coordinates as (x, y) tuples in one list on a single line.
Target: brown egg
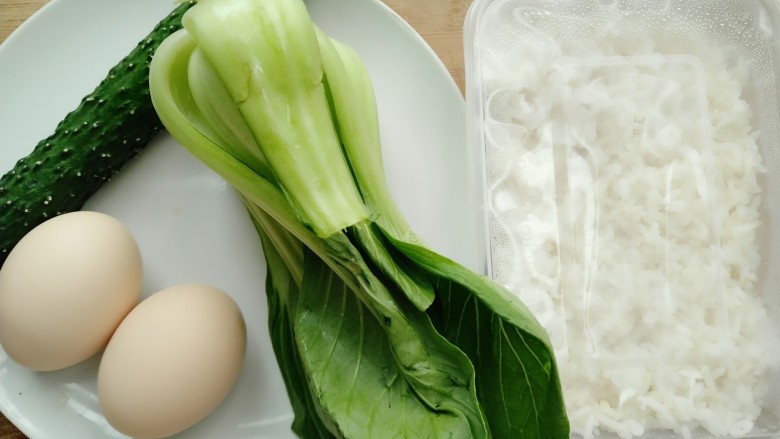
[(65, 287), (172, 361)]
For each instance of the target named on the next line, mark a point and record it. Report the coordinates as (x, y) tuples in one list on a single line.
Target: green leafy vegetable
[(376, 335)]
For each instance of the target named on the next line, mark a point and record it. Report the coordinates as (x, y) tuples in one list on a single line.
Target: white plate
[(189, 224)]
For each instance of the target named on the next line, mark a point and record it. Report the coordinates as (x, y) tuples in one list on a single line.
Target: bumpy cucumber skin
[(88, 147)]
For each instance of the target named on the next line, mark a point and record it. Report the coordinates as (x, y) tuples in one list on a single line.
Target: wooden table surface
[(439, 22)]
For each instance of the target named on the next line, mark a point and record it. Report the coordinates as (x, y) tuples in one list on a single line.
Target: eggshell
[(172, 361), (65, 287)]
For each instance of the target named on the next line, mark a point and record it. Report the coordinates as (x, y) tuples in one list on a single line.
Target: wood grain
[(439, 22)]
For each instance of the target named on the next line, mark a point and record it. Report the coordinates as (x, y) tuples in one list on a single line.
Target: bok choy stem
[(268, 59)]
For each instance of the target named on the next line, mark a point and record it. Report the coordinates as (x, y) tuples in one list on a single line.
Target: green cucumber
[(88, 147)]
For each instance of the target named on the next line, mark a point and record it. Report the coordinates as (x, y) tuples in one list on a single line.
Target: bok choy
[(376, 334)]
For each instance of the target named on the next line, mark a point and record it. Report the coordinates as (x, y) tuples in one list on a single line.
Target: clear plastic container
[(629, 151)]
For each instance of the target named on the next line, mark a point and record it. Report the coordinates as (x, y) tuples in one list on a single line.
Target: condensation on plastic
[(614, 138)]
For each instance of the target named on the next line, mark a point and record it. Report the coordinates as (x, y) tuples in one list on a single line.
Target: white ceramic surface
[(189, 224)]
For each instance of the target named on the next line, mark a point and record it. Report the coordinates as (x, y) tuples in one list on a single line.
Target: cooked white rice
[(625, 188)]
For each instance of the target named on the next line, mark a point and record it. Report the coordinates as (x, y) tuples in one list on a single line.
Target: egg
[(172, 361), (65, 287)]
